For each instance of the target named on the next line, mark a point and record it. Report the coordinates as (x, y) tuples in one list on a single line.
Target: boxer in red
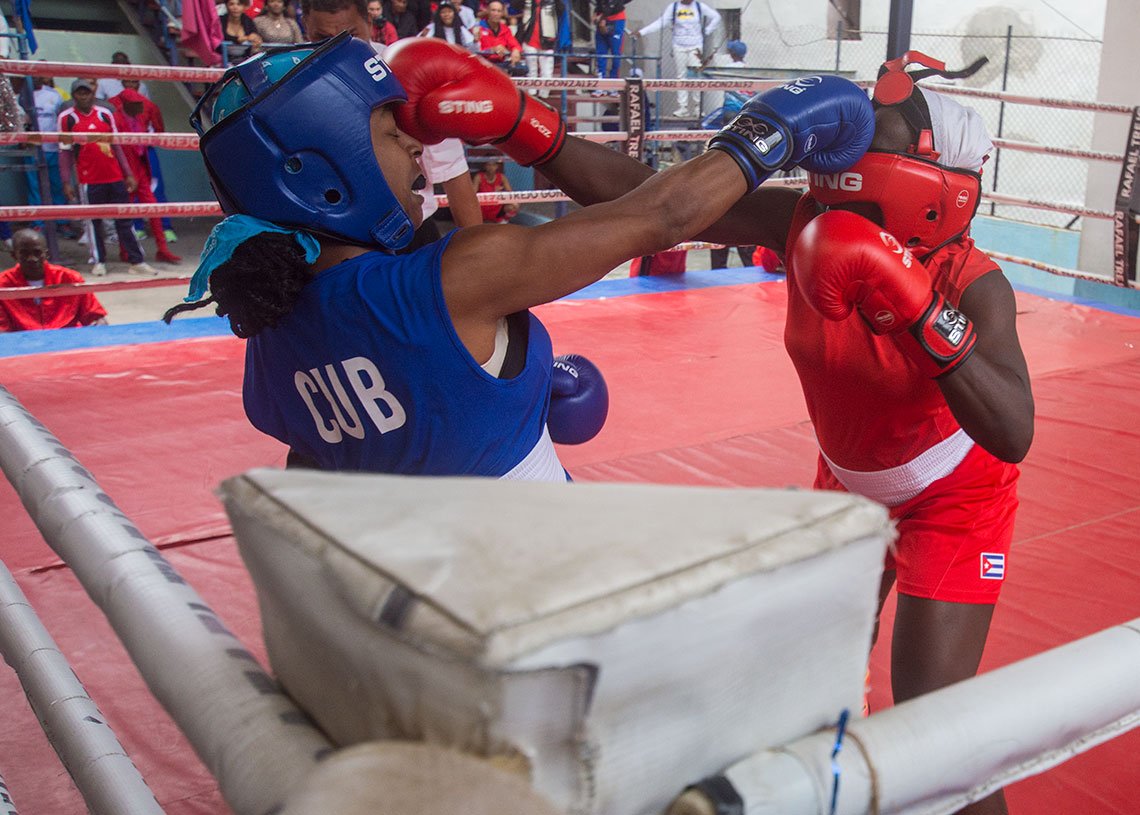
[(904, 337)]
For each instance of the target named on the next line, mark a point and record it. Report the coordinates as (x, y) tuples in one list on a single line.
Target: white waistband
[(898, 484), (540, 464)]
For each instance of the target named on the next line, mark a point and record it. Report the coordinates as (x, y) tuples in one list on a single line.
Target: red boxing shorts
[(954, 536)]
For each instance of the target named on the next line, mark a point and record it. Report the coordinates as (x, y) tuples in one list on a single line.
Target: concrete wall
[(183, 173)]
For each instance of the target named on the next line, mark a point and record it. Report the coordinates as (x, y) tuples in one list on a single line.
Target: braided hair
[(258, 286)]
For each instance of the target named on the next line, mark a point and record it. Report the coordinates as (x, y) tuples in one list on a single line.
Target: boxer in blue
[(430, 362)]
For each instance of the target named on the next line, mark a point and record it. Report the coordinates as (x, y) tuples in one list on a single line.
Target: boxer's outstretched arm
[(490, 272), (452, 93), (592, 173)]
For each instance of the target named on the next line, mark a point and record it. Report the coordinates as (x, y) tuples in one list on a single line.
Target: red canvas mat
[(701, 393)]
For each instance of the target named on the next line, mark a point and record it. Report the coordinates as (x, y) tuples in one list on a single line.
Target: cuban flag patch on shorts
[(993, 566)]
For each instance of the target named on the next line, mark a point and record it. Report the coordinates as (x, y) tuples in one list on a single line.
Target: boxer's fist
[(823, 123), (454, 94), (579, 400), (842, 262)]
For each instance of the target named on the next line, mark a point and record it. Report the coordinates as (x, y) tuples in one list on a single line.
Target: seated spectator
[(67, 311), (496, 42), (446, 25), (106, 88), (238, 31), (134, 113), (382, 30), (273, 26), (404, 19), (492, 179)]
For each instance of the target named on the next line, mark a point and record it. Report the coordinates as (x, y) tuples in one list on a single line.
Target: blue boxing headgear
[(286, 137)]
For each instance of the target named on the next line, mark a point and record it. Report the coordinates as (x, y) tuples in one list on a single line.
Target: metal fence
[(1019, 62), (1053, 67)]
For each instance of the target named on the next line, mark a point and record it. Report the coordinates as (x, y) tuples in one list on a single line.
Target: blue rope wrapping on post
[(840, 732)]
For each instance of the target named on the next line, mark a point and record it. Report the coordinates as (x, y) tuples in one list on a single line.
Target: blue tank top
[(368, 374)]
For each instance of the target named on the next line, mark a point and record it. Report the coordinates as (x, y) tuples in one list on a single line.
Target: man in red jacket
[(31, 269), (134, 113)]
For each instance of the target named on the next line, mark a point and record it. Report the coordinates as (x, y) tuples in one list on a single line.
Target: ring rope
[(61, 290), (1033, 203), (88, 70), (1048, 267), (185, 74), (189, 141), (169, 141), (1037, 101), (64, 289), (211, 208)]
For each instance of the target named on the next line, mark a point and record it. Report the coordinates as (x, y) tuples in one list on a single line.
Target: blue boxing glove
[(579, 400), (823, 123)]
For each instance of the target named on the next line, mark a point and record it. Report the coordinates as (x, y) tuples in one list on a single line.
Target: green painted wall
[(183, 173), (182, 170)]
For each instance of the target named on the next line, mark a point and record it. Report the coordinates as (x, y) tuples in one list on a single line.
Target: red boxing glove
[(454, 94), (843, 261)]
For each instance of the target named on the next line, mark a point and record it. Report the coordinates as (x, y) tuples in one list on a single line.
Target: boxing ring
[(153, 415)]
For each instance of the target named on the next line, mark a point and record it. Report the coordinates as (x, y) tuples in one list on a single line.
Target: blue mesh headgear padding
[(286, 137)]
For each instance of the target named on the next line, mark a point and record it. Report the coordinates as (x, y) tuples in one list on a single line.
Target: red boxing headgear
[(924, 204)]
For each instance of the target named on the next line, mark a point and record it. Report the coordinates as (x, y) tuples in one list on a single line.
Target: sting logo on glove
[(760, 133), (466, 106), (952, 325), (892, 243), (946, 335)]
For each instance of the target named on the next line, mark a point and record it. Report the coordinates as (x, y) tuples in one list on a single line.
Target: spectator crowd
[(521, 35)]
